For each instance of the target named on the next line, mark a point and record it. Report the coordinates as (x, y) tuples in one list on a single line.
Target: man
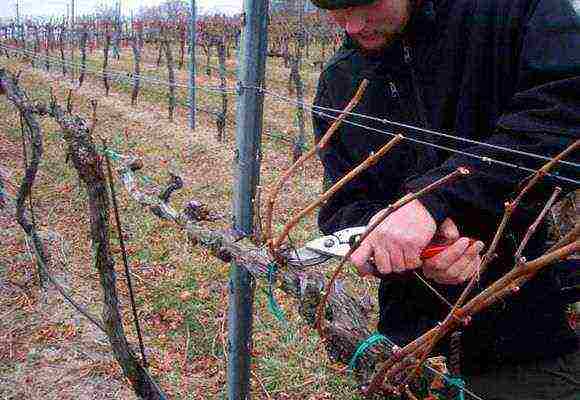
[(502, 72)]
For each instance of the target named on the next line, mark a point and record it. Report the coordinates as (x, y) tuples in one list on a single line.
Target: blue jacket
[(503, 72)]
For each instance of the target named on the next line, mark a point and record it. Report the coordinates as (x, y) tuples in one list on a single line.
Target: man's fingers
[(448, 230), (397, 258), (408, 229), (475, 250), (383, 261), (462, 269), (449, 256), (464, 262), (360, 257), (412, 258), (469, 272)]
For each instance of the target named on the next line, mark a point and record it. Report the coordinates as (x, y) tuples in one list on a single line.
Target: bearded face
[(374, 26)]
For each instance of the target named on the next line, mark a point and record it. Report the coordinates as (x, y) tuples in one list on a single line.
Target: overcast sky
[(58, 7)]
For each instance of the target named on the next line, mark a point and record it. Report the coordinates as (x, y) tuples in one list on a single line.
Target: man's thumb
[(448, 230)]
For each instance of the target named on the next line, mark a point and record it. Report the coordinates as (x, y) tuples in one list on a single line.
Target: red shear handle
[(434, 249)]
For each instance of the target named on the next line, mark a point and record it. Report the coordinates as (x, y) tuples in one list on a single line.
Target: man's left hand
[(458, 262)]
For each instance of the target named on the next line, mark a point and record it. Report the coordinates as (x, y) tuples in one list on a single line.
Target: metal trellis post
[(247, 172), (192, 28)]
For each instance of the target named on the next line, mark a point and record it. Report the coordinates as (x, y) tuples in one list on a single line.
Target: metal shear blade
[(323, 248)]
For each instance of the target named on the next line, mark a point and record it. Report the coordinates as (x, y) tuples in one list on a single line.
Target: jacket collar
[(423, 22)]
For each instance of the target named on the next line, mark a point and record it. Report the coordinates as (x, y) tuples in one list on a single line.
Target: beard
[(384, 36), (387, 39)]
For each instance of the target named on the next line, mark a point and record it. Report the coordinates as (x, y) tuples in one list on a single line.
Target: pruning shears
[(338, 244)]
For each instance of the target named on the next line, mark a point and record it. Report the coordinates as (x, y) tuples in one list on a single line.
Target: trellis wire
[(122, 76), (429, 131), (313, 109)]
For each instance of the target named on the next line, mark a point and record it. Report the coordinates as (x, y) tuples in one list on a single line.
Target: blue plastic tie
[(3, 194), (272, 304), (114, 155), (365, 345), (458, 382)]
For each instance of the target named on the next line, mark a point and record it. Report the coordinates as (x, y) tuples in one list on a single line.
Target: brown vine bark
[(171, 75), (47, 37), (83, 46), (221, 118), (61, 35), (106, 62), (348, 317), (137, 46), (16, 96), (300, 140), (88, 165)]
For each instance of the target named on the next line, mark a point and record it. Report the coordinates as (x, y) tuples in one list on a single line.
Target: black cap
[(337, 4)]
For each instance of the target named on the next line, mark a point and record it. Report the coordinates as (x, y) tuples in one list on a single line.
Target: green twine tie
[(272, 304), (113, 155), (458, 382), (375, 338), (3, 194), (365, 345)]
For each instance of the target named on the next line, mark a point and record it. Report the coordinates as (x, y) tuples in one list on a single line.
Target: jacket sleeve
[(356, 202), (543, 118)]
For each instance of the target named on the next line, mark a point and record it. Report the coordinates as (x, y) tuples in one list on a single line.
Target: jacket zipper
[(394, 90), (407, 54)]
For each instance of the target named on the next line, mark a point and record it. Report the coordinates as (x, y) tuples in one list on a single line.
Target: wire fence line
[(235, 73), (110, 72), (128, 78), (115, 76), (416, 128), (318, 110), (315, 110)]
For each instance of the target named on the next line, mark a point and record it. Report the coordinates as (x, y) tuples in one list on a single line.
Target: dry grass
[(47, 351)]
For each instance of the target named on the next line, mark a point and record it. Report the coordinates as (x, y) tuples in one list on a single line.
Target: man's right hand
[(397, 242)]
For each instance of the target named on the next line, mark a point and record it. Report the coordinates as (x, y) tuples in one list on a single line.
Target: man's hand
[(396, 246), (397, 242), (458, 262)]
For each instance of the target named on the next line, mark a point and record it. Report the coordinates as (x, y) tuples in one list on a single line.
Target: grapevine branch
[(386, 212), (421, 347), (348, 317), (85, 159), (532, 229), (370, 161), (319, 146)]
